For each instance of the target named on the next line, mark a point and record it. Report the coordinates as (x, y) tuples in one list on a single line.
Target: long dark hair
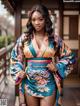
[(48, 24)]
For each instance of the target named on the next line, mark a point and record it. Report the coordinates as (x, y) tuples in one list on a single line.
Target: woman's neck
[(40, 34)]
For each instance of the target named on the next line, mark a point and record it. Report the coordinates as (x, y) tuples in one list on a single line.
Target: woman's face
[(38, 21)]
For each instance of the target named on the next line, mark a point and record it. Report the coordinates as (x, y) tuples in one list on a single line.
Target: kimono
[(39, 81)]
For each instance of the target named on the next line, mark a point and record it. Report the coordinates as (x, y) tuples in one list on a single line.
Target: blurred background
[(65, 16)]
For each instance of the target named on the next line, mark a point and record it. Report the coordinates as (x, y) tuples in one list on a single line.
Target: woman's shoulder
[(23, 37), (57, 39), (54, 37)]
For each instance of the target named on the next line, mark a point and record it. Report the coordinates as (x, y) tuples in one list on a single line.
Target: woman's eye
[(33, 19), (41, 19)]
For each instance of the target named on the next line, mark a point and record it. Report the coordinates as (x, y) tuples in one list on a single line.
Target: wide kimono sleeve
[(66, 57), (17, 58)]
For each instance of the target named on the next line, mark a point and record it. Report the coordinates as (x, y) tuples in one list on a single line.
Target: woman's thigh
[(49, 100), (32, 101)]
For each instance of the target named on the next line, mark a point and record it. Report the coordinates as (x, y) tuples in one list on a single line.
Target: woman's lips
[(37, 26)]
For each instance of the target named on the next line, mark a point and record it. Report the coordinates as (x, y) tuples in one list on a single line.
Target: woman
[(31, 59)]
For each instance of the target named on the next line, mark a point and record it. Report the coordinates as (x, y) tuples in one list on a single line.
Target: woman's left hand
[(52, 67)]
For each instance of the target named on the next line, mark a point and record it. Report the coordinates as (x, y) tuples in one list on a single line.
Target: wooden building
[(67, 13)]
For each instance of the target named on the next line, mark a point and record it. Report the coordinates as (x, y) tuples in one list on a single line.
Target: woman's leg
[(49, 100), (32, 101), (21, 99)]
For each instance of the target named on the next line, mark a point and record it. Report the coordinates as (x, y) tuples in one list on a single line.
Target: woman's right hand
[(21, 74), (52, 67)]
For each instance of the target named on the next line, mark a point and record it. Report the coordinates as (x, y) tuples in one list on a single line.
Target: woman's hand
[(21, 74), (52, 67)]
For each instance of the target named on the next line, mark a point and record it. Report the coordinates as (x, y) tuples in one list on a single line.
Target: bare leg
[(21, 99), (48, 101), (32, 101)]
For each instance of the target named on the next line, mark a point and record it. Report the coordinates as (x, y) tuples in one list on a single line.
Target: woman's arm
[(17, 59), (66, 57)]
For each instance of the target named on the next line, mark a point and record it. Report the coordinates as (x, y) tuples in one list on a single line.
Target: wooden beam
[(13, 4), (79, 47), (40, 1), (8, 5), (61, 18), (17, 21)]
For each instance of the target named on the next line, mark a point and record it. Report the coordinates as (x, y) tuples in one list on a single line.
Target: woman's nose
[(36, 22)]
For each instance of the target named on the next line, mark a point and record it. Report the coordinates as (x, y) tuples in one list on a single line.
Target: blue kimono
[(39, 81)]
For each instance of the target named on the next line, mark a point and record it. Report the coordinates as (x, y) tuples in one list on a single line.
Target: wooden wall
[(71, 29)]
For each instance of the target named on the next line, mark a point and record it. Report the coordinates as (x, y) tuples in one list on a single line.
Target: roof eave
[(9, 5)]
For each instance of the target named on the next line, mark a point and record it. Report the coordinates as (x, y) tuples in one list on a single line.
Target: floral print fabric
[(40, 81)]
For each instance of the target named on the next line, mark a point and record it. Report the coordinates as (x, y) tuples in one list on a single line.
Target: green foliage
[(3, 39), (10, 39)]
